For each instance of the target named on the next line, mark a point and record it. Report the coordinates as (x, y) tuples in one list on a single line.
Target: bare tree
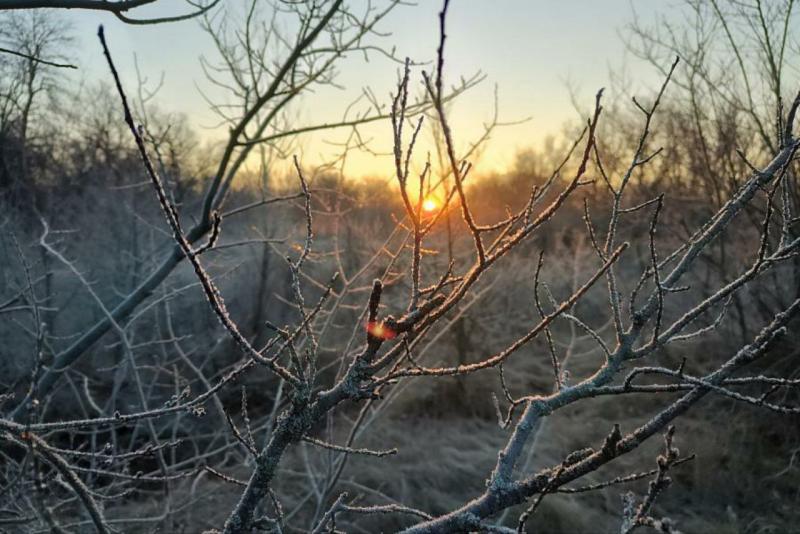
[(119, 9), (351, 346), (730, 100), (275, 86), (27, 83)]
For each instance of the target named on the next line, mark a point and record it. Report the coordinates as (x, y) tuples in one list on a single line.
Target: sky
[(538, 54)]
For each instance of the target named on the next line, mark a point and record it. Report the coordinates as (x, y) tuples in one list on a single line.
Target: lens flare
[(380, 330)]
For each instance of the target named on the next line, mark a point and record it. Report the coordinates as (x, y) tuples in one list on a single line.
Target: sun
[(430, 205)]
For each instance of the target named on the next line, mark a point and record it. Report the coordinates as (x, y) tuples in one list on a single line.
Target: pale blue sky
[(532, 50)]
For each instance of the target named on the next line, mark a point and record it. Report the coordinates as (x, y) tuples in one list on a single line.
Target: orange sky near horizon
[(541, 55)]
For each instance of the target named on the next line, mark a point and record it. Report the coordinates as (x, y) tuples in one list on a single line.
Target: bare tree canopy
[(223, 348), (120, 8)]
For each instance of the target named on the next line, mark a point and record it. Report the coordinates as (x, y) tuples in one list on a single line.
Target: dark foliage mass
[(602, 339)]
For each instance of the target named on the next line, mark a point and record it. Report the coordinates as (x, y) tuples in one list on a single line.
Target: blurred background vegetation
[(66, 157)]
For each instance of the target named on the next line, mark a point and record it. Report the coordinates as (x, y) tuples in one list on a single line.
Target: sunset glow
[(401, 183), (430, 205)]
